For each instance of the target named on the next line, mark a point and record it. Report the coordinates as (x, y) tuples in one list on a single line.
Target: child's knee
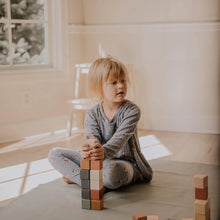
[(117, 175), (53, 154)]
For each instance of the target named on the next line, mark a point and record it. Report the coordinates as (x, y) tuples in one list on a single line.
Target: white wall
[(49, 92), (149, 11), (75, 12), (174, 46)]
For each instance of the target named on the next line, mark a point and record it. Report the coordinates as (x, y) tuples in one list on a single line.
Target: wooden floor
[(186, 147)]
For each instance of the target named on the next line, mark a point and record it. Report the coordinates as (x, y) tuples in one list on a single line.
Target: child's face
[(114, 90)]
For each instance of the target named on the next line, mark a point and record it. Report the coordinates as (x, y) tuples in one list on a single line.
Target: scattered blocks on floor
[(200, 181), (139, 216), (152, 217), (201, 207), (201, 193), (202, 202), (202, 217)]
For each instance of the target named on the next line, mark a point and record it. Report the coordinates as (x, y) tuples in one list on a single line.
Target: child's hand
[(96, 152), (85, 151)]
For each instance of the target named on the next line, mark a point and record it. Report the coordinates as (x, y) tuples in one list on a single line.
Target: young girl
[(113, 125)]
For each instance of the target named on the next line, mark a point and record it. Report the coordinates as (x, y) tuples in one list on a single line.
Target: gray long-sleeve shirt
[(119, 136)]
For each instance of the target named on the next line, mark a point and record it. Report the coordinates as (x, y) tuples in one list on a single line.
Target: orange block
[(97, 204), (96, 164), (200, 181), (85, 164), (201, 194), (97, 194), (139, 216)]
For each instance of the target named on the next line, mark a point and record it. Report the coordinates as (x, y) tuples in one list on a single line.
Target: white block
[(96, 185), (96, 174)]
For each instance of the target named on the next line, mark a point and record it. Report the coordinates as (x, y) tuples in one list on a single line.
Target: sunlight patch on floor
[(42, 178), (152, 148), (12, 172), (22, 178)]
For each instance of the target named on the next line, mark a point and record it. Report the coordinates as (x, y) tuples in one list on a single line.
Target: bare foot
[(66, 180)]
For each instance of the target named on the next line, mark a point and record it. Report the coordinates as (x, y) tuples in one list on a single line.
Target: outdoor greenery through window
[(23, 32)]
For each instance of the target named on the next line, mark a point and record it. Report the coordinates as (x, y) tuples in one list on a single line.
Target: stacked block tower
[(202, 202), (91, 184)]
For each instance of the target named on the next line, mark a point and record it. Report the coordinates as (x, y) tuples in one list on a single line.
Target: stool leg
[(70, 123)]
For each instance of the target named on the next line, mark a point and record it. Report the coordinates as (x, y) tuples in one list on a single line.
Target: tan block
[(84, 164), (96, 174), (203, 216), (96, 204), (152, 217), (96, 185), (139, 216), (200, 181), (187, 219), (201, 207), (209, 203)]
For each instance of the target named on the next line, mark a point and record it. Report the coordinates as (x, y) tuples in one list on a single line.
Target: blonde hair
[(103, 69)]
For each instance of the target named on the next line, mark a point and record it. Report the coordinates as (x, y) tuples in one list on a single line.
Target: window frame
[(56, 43)]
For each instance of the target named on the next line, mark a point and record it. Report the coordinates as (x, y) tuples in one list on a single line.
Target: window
[(23, 32)]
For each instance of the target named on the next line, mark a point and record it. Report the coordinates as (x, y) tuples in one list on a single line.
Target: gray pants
[(116, 173)]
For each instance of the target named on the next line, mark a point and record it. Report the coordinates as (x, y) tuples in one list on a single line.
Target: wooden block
[(200, 181), (85, 184), (187, 219), (96, 164), (201, 207), (96, 174), (201, 194), (96, 204), (203, 216), (86, 204), (152, 217), (90, 141), (208, 203), (85, 164), (85, 194), (96, 185), (84, 174), (139, 216), (96, 194)]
